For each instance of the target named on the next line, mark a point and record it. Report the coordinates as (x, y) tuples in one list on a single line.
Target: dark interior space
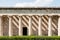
[(24, 30)]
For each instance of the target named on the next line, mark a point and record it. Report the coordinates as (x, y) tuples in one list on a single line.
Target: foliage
[(30, 38)]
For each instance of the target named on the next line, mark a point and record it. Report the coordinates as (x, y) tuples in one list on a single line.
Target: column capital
[(9, 16), (58, 16), (50, 16), (19, 15), (1, 15), (40, 15), (30, 15)]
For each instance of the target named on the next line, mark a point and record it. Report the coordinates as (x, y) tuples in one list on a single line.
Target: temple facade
[(29, 21)]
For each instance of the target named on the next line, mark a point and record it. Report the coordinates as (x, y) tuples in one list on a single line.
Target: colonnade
[(30, 26)]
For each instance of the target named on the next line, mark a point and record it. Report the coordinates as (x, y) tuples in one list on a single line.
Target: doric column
[(1, 31), (40, 27), (30, 25), (59, 26), (10, 26), (50, 26), (20, 25)]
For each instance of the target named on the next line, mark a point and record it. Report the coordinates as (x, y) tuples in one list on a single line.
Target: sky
[(29, 3)]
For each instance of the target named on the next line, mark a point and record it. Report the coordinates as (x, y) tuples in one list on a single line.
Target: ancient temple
[(30, 21)]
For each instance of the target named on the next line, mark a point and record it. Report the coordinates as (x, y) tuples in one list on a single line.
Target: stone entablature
[(31, 22), (30, 10)]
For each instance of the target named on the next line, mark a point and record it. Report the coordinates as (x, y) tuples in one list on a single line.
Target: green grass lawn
[(30, 38)]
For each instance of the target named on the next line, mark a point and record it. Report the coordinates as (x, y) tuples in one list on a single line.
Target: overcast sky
[(29, 3)]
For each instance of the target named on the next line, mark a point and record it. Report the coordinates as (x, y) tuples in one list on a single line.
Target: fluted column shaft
[(50, 26), (10, 25), (20, 25), (40, 27), (59, 26), (30, 25), (1, 31)]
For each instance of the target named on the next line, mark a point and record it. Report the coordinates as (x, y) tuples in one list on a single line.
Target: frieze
[(30, 11)]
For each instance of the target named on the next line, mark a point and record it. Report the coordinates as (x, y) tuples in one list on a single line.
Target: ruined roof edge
[(29, 8)]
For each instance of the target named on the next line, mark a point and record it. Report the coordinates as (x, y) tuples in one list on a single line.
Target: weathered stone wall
[(30, 11)]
